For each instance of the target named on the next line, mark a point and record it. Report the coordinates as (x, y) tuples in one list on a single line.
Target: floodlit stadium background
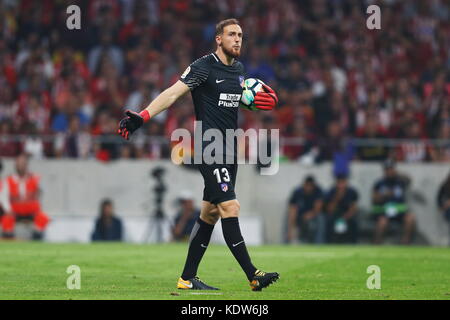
[(344, 91)]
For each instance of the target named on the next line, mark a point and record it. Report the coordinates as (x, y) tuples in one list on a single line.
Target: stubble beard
[(231, 53)]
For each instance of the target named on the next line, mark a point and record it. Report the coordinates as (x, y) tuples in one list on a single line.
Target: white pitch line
[(206, 293)]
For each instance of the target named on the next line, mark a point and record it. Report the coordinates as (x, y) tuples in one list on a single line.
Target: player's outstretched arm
[(164, 100)]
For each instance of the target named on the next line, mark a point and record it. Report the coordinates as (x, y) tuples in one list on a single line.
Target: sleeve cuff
[(145, 115)]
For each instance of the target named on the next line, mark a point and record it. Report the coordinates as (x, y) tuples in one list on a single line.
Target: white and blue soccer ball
[(251, 87)]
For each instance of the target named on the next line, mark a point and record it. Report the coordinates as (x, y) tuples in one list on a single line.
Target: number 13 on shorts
[(225, 175)]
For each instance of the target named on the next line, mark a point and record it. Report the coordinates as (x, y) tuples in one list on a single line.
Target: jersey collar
[(219, 61)]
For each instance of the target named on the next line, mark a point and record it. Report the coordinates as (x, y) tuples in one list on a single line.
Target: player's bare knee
[(213, 216), (214, 211), (210, 217), (229, 209)]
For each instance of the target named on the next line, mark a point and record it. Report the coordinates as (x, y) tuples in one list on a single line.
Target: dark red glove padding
[(267, 99)]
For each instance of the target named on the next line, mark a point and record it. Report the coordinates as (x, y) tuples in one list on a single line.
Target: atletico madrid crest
[(224, 187), (241, 81)]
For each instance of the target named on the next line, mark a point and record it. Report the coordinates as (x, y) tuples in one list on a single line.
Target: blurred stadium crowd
[(62, 91)]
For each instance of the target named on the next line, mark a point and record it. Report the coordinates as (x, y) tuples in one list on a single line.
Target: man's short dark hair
[(310, 179), (224, 23), (341, 176), (389, 164), (106, 202)]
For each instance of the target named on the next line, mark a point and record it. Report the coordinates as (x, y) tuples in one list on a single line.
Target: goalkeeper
[(215, 82)]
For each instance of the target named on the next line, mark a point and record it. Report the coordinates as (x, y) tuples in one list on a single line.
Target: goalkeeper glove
[(267, 99), (132, 122)]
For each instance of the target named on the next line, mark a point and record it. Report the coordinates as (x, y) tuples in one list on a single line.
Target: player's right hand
[(130, 123)]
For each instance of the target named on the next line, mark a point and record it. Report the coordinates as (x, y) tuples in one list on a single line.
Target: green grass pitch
[(126, 271)]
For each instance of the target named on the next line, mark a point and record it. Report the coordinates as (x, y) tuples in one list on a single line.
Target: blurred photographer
[(185, 218), (108, 227), (341, 208), (389, 203), (305, 213)]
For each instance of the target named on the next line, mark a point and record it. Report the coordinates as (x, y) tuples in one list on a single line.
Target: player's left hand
[(267, 99)]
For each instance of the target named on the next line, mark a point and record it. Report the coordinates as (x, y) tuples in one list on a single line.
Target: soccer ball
[(251, 87)]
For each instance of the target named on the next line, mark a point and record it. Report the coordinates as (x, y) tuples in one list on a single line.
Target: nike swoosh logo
[(189, 285), (203, 246), (219, 81), (236, 244)]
